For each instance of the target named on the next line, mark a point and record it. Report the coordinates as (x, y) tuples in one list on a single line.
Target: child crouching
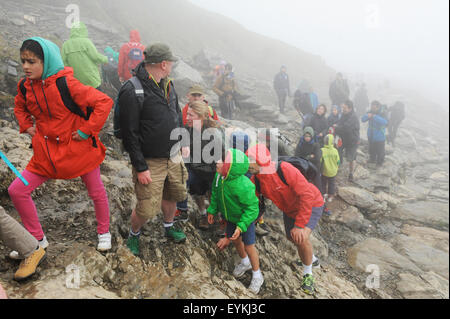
[(233, 195)]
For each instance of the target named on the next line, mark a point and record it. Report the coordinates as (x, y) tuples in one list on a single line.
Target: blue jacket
[(314, 100), (376, 132)]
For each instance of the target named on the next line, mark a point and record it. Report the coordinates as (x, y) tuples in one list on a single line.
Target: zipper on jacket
[(48, 152), (223, 199)]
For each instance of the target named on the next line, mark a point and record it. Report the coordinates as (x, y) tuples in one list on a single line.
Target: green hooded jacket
[(234, 195), (80, 53), (330, 158), (53, 62)]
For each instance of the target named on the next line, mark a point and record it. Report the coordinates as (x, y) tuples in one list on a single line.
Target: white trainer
[(255, 284), (104, 242), (16, 256), (240, 269)]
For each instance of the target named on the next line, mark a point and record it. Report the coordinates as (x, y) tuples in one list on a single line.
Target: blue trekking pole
[(11, 166)]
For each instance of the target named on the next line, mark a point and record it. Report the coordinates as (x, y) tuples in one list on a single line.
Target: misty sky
[(407, 40)]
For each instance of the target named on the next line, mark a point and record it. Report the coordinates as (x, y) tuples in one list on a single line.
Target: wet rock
[(419, 287), (350, 217), (375, 251), (185, 76), (17, 22), (359, 197), (423, 213), (429, 236), (12, 70), (424, 256)]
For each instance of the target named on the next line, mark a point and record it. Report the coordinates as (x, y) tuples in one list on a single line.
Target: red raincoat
[(135, 42), (297, 198), (56, 155)]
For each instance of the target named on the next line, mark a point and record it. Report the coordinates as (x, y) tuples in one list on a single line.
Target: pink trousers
[(21, 198)]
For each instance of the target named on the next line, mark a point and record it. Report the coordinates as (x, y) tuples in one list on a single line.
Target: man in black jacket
[(159, 173), (348, 129), (281, 86)]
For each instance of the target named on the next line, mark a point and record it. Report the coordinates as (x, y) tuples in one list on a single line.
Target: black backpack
[(308, 169), (63, 89), (139, 91)]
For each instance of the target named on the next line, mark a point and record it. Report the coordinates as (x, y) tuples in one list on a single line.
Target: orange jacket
[(55, 154)]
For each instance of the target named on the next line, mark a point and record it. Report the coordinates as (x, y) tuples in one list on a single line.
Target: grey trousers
[(16, 237)]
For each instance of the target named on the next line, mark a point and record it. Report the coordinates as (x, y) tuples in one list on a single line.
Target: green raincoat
[(330, 158), (80, 53), (234, 195)]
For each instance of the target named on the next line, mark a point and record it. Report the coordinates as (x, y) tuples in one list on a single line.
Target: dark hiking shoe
[(175, 234), (133, 244), (181, 216), (350, 178), (308, 284)]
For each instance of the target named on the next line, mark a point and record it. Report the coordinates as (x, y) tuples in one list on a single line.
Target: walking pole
[(11, 166)]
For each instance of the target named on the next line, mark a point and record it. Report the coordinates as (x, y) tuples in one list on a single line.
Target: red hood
[(135, 36), (261, 154)]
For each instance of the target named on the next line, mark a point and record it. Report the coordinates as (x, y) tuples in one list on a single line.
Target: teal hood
[(53, 62)]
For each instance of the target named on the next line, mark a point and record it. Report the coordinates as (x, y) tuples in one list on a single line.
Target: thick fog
[(403, 40)]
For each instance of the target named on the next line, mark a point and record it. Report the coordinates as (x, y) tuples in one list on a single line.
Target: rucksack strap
[(69, 103), (281, 174), (138, 89), (23, 89)]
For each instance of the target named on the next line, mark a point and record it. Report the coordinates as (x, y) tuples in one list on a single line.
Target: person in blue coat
[(376, 132)]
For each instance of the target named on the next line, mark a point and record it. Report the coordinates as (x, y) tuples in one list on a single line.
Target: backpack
[(64, 92), (308, 169), (135, 56), (139, 91)]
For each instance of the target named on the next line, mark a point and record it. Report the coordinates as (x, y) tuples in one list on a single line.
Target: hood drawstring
[(45, 98)]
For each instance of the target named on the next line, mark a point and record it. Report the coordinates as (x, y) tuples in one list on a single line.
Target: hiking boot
[(104, 242), (28, 266), (181, 216), (43, 243), (133, 244), (308, 284), (255, 284), (240, 269), (203, 223), (262, 229), (315, 264), (350, 178), (175, 234)]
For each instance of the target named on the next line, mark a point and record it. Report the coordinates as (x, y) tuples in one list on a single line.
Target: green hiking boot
[(308, 284), (133, 244), (175, 234)]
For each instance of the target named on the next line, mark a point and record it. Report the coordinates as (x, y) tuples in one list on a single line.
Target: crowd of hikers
[(59, 105)]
